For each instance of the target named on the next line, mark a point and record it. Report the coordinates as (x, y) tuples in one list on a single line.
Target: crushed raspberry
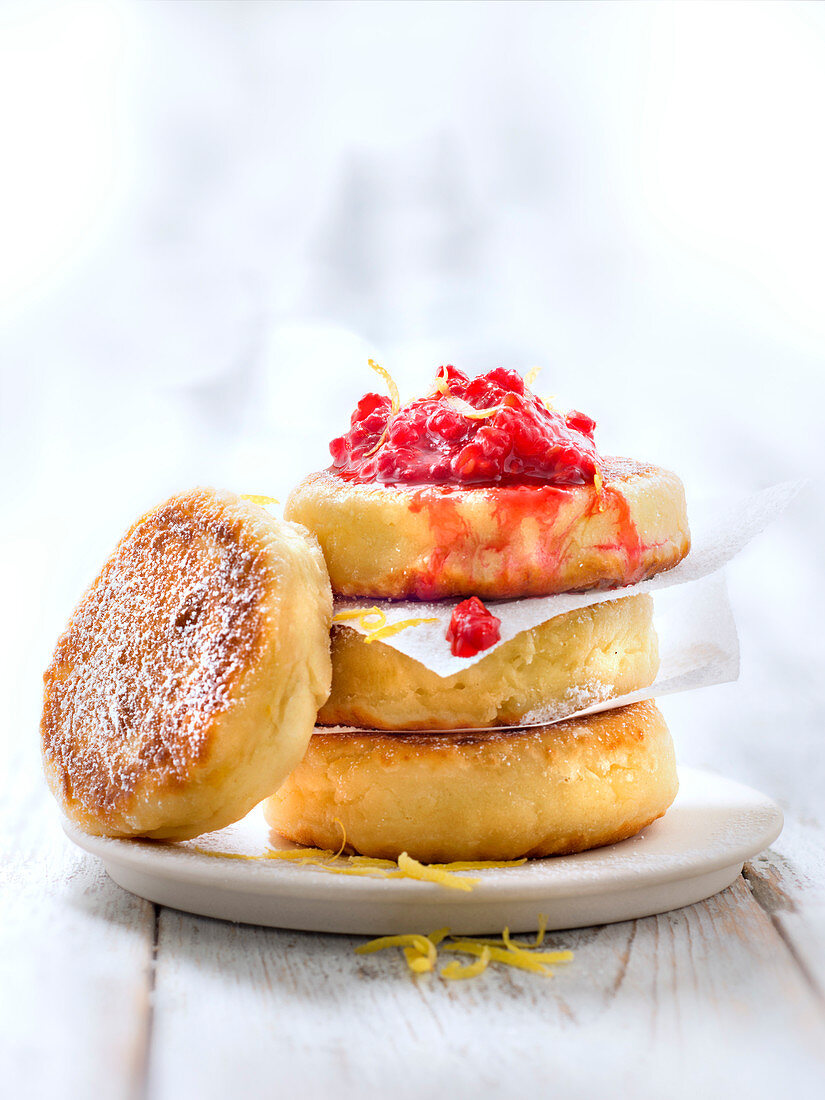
[(472, 628), (433, 439)]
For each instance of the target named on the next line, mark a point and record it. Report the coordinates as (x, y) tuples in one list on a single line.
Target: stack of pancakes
[(198, 675), (456, 768)]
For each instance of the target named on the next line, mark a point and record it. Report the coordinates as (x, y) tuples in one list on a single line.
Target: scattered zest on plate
[(421, 952), (336, 863)]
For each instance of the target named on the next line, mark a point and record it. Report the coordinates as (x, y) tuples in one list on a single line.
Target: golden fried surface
[(502, 542), (482, 796), (186, 684), (563, 665)]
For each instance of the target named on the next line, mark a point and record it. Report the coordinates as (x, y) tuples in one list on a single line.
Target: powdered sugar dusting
[(578, 697), (151, 653)]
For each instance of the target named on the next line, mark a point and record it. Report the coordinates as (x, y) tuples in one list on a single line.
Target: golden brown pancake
[(561, 666), (186, 684), (443, 797), (498, 542)]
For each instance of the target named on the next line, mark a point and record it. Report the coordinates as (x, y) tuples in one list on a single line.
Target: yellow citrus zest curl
[(430, 872), (456, 971), (532, 375), (231, 855), (407, 939), (505, 939), (368, 618), (468, 410), (379, 444), (395, 628), (519, 959), (371, 861), (340, 851), (388, 378), (395, 403), (256, 498), (374, 622), (442, 386), (421, 952)]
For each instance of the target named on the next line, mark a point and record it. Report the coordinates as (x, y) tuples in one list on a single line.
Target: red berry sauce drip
[(434, 440), (472, 628)]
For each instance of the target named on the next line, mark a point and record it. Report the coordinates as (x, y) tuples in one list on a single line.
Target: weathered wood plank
[(75, 954), (794, 899), (766, 730), (664, 1006)]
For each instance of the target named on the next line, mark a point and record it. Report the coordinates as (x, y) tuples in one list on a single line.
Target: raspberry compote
[(472, 628), (481, 431)]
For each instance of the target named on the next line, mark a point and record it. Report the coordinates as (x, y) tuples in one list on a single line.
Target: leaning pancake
[(499, 795), (496, 542), (186, 685), (563, 665)]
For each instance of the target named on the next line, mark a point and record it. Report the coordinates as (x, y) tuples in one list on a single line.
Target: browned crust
[(151, 653), (169, 669), (610, 728)]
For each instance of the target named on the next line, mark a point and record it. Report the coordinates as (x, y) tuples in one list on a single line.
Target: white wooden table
[(105, 995)]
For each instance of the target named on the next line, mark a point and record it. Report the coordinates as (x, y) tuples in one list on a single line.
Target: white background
[(211, 214)]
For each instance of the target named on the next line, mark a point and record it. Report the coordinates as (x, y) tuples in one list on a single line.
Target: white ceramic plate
[(697, 849)]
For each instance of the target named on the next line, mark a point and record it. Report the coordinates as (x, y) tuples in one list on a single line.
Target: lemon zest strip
[(257, 498), (297, 854), (542, 928), (480, 865), (550, 956), (362, 614), (388, 378), (519, 959), (532, 375), (456, 971), (442, 386), (419, 951), (357, 872), (405, 939), (372, 861), (419, 963), (340, 851), (500, 942), (432, 873), (468, 410), (222, 855), (382, 440), (374, 622), (378, 444), (395, 404), (394, 628)]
